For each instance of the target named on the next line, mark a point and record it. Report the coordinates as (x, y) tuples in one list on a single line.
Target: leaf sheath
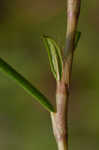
[(77, 38)]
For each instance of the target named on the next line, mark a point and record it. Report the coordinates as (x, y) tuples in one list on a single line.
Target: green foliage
[(55, 58), (56, 63), (6, 68)]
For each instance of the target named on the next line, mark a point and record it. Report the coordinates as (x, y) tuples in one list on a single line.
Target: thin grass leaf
[(55, 58), (35, 93), (77, 38)]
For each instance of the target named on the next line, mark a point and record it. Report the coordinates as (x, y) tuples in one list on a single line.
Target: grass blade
[(55, 58), (35, 93)]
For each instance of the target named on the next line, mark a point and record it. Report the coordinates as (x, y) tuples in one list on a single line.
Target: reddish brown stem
[(59, 119)]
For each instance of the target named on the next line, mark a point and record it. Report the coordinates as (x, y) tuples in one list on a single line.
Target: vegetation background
[(24, 124)]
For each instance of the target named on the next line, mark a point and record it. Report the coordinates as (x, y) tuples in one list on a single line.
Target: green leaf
[(55, 58), (35, 93), (77, 38)]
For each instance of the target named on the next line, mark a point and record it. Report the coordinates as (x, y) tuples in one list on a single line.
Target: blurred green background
[(24, 124)]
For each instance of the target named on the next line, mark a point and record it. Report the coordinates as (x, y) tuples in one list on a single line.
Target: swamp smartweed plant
[(61, 67)]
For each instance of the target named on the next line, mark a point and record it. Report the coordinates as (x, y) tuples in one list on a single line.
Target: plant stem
[(62, 145), (60, 118)]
